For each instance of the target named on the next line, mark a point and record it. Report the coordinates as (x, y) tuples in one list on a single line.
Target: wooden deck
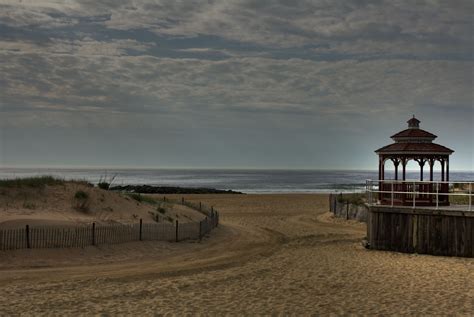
[(447, 231), (429, 209)]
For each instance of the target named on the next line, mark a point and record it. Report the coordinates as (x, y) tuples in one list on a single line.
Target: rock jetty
[(148, 189)]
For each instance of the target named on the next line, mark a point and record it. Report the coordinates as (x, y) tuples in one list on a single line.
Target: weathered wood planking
[(423, 231)]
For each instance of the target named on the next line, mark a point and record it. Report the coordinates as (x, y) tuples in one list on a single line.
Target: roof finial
[(413, 123)]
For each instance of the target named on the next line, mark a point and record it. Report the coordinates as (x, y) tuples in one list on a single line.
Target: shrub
[(81, 201), (140, 198), (353, 199), (105, 182), (104, 185), (148, 200), (155, 216), (80, 194), (136, 197), (161, 210), (29, 205)]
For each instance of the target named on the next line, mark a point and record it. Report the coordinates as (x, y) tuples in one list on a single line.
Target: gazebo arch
[(414, 144)]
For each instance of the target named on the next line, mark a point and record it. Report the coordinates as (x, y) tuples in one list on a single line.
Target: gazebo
[(413, 144)]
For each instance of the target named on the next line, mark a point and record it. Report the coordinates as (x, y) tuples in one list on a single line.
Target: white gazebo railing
[(452, 195)]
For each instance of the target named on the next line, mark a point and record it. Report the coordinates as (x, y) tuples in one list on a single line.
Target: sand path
[(273, 254)]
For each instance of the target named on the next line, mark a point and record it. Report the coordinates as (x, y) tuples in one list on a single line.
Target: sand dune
[(273, 254), (56, 205)]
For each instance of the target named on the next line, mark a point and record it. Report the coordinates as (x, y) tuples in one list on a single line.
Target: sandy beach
[(272, 254)]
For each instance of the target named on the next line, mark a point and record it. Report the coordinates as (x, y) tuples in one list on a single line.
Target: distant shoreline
[(224, 181), (168, 190)]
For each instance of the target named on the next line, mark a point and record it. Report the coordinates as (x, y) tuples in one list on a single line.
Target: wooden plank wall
[(436, 233)]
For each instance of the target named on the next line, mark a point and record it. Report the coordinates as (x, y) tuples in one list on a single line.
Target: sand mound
[(78, 202)]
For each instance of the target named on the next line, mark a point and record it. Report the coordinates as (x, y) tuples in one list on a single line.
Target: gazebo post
[(447, 169), (396, 162), (421, 162), (404, 165), (442, 170), (431, 162), (404, 187), (421, 188), (380, 177), (380, 167), (383, 169)]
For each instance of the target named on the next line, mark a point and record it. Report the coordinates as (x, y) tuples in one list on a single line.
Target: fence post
[(182, 200), (347, 210), (93, 233), (177, 228), (141, 225), (217, 218), (368, 191), (437, 195), (413, 195), (164, 198), (200, 206), (200, 230), (28, 237)]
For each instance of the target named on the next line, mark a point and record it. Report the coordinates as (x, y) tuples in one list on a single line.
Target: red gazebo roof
[(415, 148), (414, 141), (414, 133)]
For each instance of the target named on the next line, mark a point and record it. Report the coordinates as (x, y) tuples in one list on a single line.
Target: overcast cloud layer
[(298, 84)]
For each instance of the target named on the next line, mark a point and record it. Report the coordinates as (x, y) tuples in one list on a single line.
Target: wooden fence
[(96, 234), (341, 208)]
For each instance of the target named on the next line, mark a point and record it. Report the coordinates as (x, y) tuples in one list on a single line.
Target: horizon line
[(105, 168)]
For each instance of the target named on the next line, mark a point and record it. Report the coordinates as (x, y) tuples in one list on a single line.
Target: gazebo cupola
[(414, 144)]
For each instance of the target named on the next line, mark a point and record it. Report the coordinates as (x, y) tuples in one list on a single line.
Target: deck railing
[(421, 193)]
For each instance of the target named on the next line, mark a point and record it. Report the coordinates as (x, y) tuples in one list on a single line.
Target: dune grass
[(352, 198), (142, 198), (81, 201), (32, 182), (460, 200)]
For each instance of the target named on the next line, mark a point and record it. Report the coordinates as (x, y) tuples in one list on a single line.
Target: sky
[(231, 83)]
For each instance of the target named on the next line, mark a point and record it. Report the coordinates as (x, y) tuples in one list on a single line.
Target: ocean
[(247, 181)]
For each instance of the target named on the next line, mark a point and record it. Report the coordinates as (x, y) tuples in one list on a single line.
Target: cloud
[(39, 14), (144, 84), (429, 26), (267, 23), (83, 47), (312, 58)]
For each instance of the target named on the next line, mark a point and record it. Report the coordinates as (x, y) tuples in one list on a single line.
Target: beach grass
[(353, 198), (460, 200), (32, 182), (81, 201), (142, 198)]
